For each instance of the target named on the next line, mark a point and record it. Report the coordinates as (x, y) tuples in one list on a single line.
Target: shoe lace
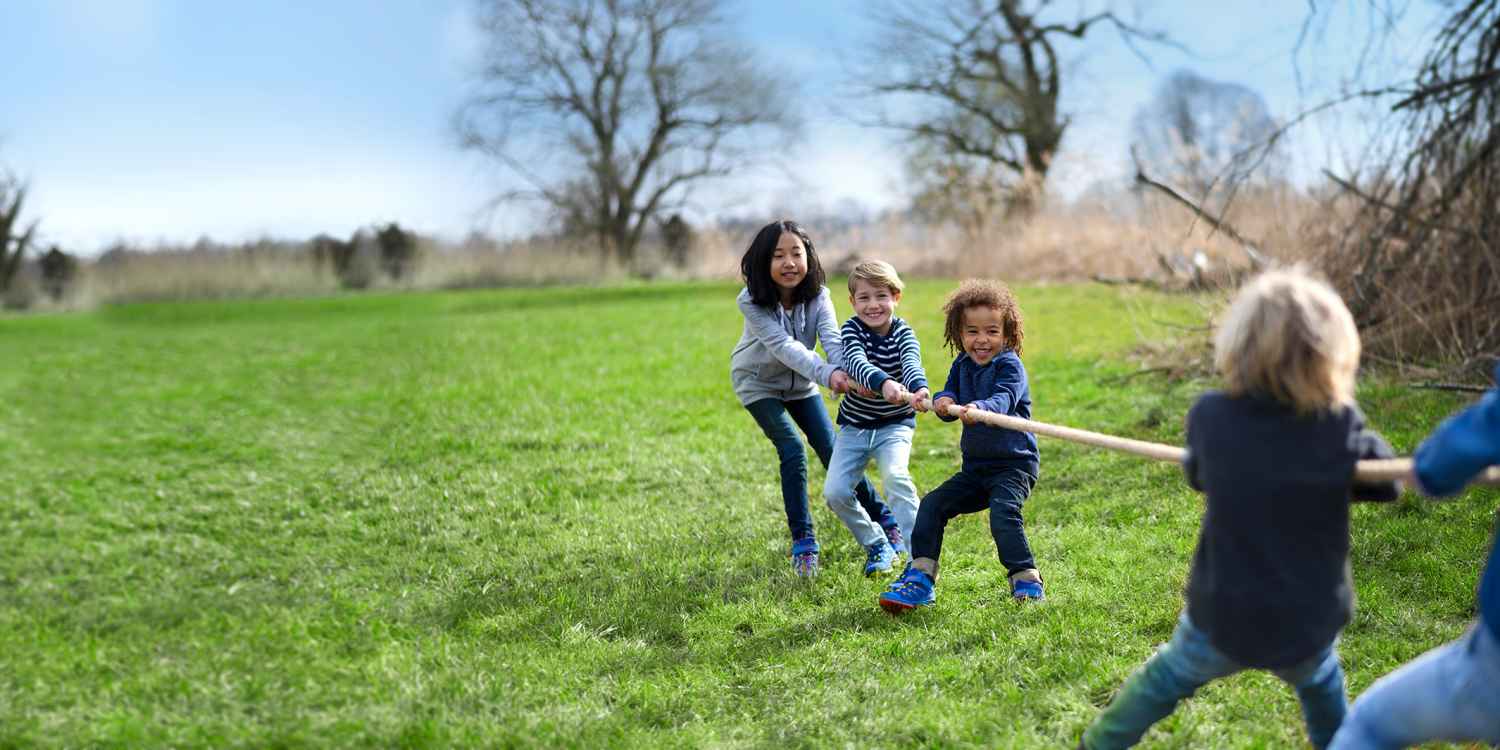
[(894, 535)]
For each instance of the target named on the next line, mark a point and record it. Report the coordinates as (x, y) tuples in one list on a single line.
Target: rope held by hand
[(1371, 470)]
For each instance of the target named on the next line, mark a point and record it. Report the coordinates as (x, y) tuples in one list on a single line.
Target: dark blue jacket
[(1453, 454), (998, 387), (1270, 579)]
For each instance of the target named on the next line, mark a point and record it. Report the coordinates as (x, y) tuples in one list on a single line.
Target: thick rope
[(1373, 470)]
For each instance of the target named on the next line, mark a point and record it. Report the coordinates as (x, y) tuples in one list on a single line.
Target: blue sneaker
[(896, 538), (805, 557), (913, 589), (1022, 590), (879, 558)]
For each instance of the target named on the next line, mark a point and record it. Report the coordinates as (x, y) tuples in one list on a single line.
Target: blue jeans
[(1190, 661), (890, 446), (780, 420), (1449, 693)]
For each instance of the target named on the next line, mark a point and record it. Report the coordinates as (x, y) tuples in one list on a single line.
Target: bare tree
[(982, 79), (1421, 262), (14, 241), (1199, 134), (608, 111)]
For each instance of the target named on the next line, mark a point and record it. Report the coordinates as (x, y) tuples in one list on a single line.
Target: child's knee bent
[(839, 495)]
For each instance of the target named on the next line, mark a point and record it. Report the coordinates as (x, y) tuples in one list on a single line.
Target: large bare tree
[(609, 111), (980, 82)]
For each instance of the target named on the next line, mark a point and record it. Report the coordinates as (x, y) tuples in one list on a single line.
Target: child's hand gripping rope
[(1374, 470)]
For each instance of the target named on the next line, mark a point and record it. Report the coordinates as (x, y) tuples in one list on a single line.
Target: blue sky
[(152, 120)]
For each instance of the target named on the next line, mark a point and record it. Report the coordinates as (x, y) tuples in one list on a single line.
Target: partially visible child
[(881, 353), (1451, 692), (1274, 454), (1000, 466), (776, 372)]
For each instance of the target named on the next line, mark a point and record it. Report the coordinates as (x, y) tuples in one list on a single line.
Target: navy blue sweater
[(998, 387), (1270, 580)]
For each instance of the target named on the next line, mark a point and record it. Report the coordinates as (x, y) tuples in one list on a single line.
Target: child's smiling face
[(983, 334), (788, 264), (874, 304)]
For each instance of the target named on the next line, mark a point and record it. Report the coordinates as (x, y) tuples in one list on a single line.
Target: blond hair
[(1287, 335), (876, 272)]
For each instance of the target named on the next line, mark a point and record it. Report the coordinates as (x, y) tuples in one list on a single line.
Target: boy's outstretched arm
[(1461, 447), (912, 372), (857, 361), (1010, 383)]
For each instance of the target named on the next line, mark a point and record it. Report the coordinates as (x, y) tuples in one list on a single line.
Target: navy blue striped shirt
[(871, 359)]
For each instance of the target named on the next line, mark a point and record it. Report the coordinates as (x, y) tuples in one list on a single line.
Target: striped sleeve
[(912, 374), (857, 358)]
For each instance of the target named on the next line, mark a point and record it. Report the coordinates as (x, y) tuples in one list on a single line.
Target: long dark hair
[(755, 266)]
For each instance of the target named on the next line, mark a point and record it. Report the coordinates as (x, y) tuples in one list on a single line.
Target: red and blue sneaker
[(1023, 590), (913, 589)]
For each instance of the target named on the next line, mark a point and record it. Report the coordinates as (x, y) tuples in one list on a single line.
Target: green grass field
[(540, 518)]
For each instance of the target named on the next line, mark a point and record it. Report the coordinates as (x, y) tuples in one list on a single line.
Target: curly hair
[(982, 293)]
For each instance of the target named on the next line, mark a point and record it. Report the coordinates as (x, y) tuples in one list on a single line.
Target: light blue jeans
[(1190, 661), (1449, 693), (853, 448)]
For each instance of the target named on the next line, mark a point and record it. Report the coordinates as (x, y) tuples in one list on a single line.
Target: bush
[(58, 270), (398, 251), (678, 236)]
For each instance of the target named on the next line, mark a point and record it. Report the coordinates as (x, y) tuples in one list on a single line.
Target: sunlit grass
[(540, 517)]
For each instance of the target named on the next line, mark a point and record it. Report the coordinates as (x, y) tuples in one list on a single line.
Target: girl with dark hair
[(776, 373)]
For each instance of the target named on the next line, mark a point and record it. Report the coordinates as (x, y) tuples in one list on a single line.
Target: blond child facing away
[(1274, 454), (881, 354)]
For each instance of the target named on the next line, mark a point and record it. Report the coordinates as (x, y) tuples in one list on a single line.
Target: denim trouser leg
[(1448, 693), (961, 493), (893, 457), (1007, 490), (1174, 672), (812, 417), (1319, 683), (771, 415), (851, 452), (779, 420), (1190, 661), (1001, 491)]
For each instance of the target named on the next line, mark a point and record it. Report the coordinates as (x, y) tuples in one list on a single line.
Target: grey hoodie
[(775, 357)]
